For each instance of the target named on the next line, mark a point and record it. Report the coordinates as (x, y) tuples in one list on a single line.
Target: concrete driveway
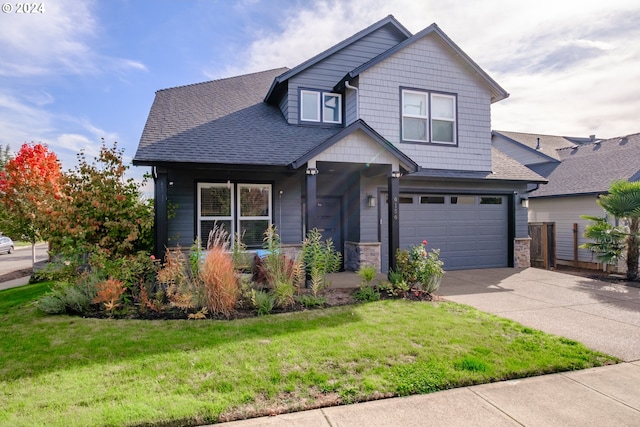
[(604, 316)]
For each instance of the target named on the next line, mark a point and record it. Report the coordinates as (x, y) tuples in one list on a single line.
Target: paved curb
[(14, 283)]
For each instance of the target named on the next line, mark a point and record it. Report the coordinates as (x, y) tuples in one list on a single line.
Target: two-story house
[(381, 141)]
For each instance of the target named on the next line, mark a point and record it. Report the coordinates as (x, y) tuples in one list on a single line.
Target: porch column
[(312, 196), (394, 217), (160, 231)]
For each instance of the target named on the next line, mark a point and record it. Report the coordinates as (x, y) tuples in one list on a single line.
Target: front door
[(329, 220)]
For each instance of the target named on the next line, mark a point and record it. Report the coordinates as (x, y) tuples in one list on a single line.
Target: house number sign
[(396, 208)]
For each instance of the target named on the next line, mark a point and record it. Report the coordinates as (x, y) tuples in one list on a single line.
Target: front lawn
[(64, 370)]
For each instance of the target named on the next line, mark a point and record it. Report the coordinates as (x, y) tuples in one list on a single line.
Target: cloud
[(569, 69), (55, 42)]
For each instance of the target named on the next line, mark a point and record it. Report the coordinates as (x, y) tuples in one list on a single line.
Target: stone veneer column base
[(359, 253), (522, 252)]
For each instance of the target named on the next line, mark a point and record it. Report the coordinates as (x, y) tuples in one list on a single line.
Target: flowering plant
[(420, 268)]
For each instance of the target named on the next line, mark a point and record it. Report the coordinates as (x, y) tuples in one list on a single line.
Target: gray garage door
[(470, 230)]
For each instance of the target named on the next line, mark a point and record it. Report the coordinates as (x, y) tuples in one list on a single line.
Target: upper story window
[(320, 107), (428, 117)]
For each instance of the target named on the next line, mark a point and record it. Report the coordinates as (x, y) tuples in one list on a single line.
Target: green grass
[(63, 370)]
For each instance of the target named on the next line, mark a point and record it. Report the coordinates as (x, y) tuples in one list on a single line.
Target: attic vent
[(573, 147), (597, 142)]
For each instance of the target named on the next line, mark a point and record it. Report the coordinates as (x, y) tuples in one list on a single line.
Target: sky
[(74, 72)]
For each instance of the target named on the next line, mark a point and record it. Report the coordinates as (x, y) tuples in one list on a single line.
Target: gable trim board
[(497, 91), (243, 130), (408, 164), (388, 21)]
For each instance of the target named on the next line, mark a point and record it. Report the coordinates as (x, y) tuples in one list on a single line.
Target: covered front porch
[(344, 179)]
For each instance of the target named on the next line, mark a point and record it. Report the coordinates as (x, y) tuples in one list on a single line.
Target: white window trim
[(444, 119), (201, 217), (429, 95), (318, 105), (416, 116), (337, 95), (235, 218), (254, 218)]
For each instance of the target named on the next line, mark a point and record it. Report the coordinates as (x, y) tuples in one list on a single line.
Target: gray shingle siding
[(327, 73), (428, 64)]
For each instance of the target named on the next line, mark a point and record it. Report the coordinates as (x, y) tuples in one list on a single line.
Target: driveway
[(604, 316)]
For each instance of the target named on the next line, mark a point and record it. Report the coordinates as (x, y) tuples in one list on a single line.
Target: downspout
[(348, 86)]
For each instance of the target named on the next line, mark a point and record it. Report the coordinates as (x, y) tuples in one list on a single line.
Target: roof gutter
[(348, 86)]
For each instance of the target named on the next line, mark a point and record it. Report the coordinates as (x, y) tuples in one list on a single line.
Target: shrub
[(397, 289), (109, 293), (262, 301), (182, 286), (284, 293), (367, 273), (74, 297), (320, 258), (103, 211), (420, 268), (366, 294), (218, 276), (274, 267), (312, 301)]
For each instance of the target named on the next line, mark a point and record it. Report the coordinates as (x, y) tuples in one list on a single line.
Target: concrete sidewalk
[(603, 316)]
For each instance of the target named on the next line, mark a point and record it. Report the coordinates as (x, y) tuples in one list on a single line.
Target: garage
[(471, 230)]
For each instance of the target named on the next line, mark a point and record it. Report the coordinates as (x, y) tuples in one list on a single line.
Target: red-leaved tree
[(29, 192)]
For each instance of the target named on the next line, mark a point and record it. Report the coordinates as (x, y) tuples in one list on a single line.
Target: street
[(21, 258)]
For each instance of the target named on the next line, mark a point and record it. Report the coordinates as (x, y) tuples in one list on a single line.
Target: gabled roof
[(388, 21), (498, 93), (591, 168), (224, 122), (375, 136), (504, 169), (549, 144)]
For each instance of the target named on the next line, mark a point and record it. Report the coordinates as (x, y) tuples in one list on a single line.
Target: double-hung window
[(254, 215), (428, 117), (215, 206), (443, 118), (320, 107), (414, 116), (243, 208)]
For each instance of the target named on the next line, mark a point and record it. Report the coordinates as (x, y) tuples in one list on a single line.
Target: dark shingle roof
[(200, 123), (504, 169), (591, 168)]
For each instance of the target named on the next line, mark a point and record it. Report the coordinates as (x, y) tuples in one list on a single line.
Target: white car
[(6, 245)]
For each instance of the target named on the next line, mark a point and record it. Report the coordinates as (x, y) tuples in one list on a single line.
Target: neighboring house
[(578, 170), (383, 115)]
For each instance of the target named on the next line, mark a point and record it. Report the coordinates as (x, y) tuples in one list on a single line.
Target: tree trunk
[(33, 254), (633, 249)]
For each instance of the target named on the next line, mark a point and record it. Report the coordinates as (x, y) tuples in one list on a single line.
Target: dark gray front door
[(329, 220)]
